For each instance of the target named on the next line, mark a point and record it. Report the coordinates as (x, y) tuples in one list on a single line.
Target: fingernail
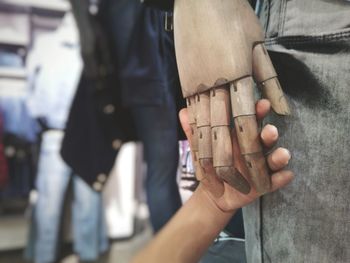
[(289, 155), (280, 156), (270, 129), (273, 129)]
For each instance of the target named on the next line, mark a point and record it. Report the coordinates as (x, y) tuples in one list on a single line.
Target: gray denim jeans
[(309, 220)]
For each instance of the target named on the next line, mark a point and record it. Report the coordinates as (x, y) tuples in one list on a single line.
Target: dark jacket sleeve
[(166, 5)]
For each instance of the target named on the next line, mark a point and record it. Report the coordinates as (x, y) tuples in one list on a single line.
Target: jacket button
[(93, 9), (102, 178), (116, 144), (108, 109), (10, 151), (97, 186)]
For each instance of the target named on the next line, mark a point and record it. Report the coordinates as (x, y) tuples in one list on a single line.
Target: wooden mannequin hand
[(219, 50), (228, 198)]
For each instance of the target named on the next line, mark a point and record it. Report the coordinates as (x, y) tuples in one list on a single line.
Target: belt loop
[(168, 23)]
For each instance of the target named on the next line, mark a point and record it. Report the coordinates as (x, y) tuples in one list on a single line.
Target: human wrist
[(209, 207)]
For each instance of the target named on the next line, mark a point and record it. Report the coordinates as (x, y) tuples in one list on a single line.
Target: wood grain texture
[(271, 89), (247, 134), (213, 39), (220, 111), (266, 76), (203, 109), (242, 97), (204, 143), (258, 174), (251, 150), (203, 125), (222, 146), (262, 65), (191, 110)]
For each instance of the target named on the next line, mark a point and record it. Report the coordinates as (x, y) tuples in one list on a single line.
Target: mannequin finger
[(221, 140), (192, 111), (243, 110), (266, 77), (205, 155)]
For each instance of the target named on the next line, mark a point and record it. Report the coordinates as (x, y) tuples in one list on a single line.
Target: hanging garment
[(3, 162), (89, 229), (21, 161), (17, 121), (144, 56), (52, 88)]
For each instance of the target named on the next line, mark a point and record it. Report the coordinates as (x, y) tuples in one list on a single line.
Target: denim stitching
[(268, 9), (299, 40), (282, 18)]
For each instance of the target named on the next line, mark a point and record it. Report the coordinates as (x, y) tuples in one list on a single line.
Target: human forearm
[(188, 235)]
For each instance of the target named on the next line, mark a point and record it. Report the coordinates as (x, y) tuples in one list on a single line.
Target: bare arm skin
[(189, 233)]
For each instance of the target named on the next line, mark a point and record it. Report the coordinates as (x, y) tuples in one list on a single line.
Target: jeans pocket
[(311, 17), (299, 17), (320, 43)]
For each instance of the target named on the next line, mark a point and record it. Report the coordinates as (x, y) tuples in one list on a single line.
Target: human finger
[(262, 108), (281, 179), (183, 116), (278, 159), (269, 135)]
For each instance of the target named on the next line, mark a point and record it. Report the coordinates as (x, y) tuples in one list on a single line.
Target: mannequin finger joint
[(258, 172), (242, 97), (248, 134)]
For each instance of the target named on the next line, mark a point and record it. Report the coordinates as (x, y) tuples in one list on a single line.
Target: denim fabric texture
[(21, 157), (147, 69), (308, 221), (157, 129), (137, 40), (225, 250), (89, 232), (17, 120)]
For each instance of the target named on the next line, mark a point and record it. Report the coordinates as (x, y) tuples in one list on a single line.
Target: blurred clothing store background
[(92, 161), (46, 212)]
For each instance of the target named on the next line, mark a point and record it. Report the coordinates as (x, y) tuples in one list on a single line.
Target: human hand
[(226, 197), (219, 48)]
